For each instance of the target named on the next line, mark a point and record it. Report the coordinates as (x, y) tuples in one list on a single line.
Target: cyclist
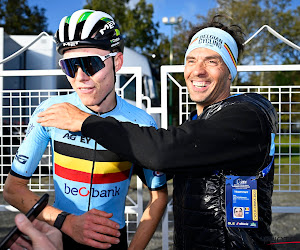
[(90, 182)]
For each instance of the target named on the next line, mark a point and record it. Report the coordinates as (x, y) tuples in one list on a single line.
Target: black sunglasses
[(90, 65)]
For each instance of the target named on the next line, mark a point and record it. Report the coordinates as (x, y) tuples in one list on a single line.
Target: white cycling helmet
[(88, 29)]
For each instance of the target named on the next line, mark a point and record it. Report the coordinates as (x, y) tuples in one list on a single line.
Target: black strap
[(60, 220)]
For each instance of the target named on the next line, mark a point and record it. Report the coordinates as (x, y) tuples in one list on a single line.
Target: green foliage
[(116, 8), (18, 18), (265, 48), (136, 25), (141, 34)]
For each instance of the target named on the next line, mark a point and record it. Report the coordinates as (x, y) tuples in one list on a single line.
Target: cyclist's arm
[(150, 219), (157, 186), (81, 228), (17, 193), (158, 199)]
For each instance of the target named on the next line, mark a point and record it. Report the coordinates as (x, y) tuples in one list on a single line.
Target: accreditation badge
[(241, 201)]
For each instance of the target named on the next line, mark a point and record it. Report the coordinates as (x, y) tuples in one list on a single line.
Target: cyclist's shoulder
[(71, 98), (135, 114)]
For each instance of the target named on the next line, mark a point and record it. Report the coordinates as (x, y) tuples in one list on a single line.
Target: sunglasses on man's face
[(90, 65)]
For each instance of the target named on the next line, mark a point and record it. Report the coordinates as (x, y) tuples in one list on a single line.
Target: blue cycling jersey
[(85, 174)]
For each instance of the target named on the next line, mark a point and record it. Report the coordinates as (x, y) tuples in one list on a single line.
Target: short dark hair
[(234, 30)]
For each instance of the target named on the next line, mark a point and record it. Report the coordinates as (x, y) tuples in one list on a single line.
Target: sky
[(57, 9), (187, 9)]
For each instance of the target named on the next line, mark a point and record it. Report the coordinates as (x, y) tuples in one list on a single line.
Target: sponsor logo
[(115, 44), (29, 129), (211, 40), (109, 25), (157, 173), (254, 205), (83, 191), (242, 223), (71, 44), (73, 137), (253, 224), (21, 158), (115, 40), (241, 182)]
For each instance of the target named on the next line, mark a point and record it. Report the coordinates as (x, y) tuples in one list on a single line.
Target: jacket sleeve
[(235, 138)]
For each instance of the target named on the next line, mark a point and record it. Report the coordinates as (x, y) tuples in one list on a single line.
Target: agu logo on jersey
[(157, 173), (21, 158)]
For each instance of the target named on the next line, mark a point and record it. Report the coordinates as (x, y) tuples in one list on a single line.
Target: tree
[(264, 48), (136, 25), (17, 18)]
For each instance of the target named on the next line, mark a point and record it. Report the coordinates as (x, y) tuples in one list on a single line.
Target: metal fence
[(17, 106), (286, 100)]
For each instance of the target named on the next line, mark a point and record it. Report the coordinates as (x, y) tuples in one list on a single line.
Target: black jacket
[(231, 137)]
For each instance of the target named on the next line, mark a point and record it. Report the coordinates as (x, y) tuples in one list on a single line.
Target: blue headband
[(219, 41)]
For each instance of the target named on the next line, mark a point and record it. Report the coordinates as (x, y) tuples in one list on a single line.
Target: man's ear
[(118, 61), (229, 77)]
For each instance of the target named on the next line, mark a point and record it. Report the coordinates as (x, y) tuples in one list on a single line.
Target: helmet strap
[(114, 69)]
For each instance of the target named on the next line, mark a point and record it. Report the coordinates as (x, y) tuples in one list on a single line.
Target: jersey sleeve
[(32, 148), (154, 180)]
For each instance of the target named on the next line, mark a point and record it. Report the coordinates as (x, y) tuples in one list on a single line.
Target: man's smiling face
[(207, 77)]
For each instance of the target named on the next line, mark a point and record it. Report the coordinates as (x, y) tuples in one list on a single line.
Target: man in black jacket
[(224, 151)]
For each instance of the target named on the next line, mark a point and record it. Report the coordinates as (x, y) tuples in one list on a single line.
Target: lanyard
[(266, 170)]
